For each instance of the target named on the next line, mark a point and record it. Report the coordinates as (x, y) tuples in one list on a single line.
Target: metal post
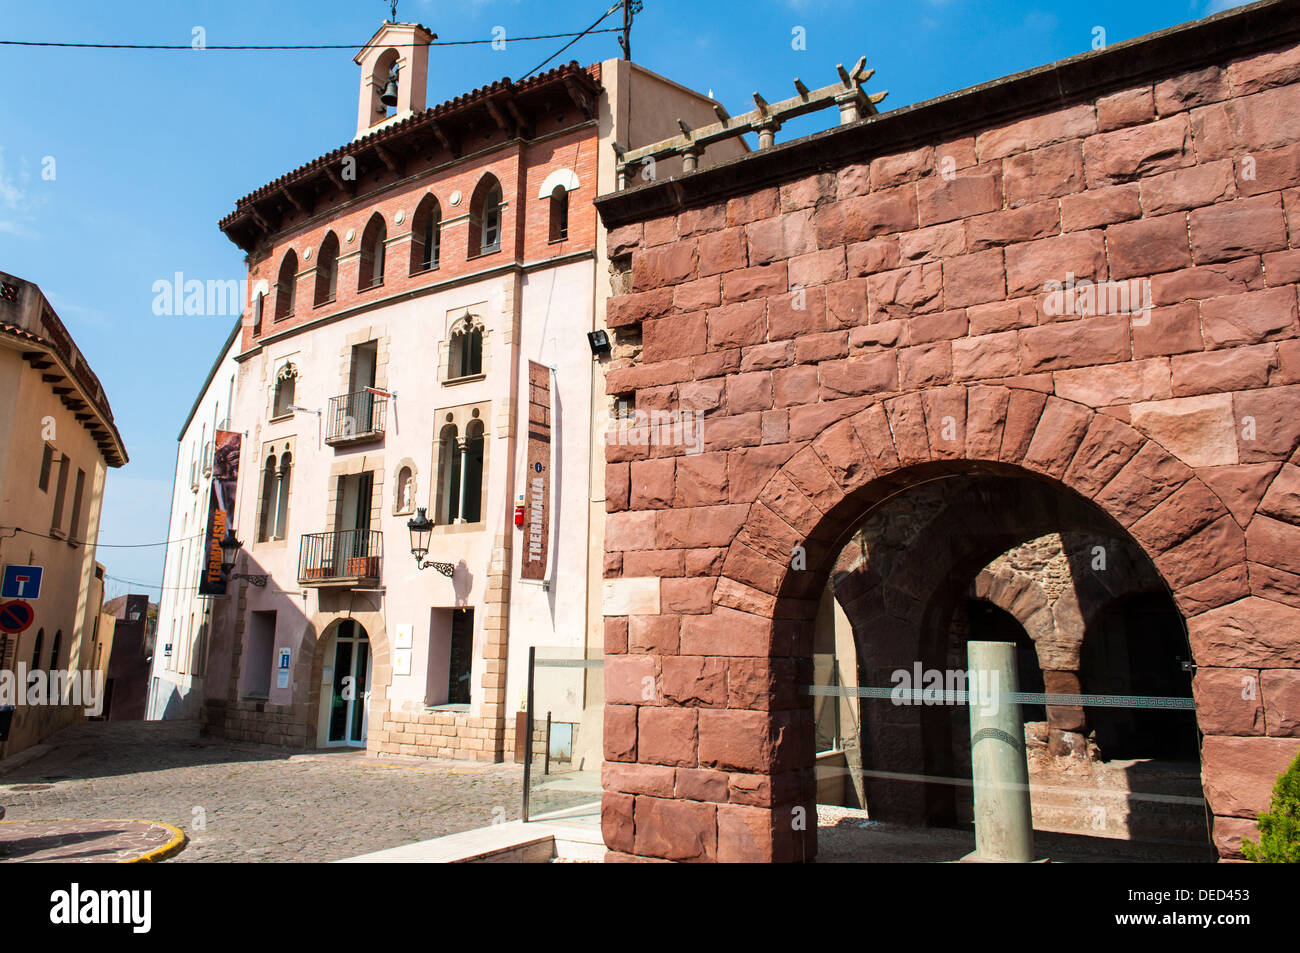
[(625, 40), (528, 730), (547, 769), (1004, 829)]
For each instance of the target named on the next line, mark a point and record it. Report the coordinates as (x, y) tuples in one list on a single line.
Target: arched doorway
[(955, 553), (346, 675)]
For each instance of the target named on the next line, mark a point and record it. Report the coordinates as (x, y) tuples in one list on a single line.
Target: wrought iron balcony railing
[(356, 418), (345, 558)]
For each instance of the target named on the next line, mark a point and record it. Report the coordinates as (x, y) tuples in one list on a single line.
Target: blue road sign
[(21, 582)]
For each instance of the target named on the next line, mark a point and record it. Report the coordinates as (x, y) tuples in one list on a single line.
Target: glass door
[(348, 719)]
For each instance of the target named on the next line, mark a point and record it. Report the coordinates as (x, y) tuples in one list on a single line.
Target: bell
[(389, 97)]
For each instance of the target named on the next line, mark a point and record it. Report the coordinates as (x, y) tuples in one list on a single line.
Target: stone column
[(1004, 830), (462, 447)]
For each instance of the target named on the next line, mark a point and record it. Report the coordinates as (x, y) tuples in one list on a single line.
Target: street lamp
[(421, 530), (230, 546)]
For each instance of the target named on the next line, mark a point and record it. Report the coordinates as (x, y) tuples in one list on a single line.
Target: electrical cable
[(300, 46), (617, 6), (165, 542)]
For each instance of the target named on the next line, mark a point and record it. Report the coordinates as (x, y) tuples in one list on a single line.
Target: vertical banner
[(221, 504), (537, 479)]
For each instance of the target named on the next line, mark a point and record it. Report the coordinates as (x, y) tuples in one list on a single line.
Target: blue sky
[(151, 148)]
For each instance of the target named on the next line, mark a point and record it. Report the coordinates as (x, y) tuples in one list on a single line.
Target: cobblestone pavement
[(248, 803)]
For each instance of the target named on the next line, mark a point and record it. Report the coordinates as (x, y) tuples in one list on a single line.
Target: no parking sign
[(16, 616)]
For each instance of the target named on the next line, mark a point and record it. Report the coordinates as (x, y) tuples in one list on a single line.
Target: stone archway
[(724, 782)]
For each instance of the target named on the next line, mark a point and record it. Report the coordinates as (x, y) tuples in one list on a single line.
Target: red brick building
[(923, 341)]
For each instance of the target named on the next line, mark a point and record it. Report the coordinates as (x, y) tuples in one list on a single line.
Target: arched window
[(285, 286), (448, 476), (286, 383), (466, 348), (559, 214), (471, 504), (36, 650), (259, 301), (265, 523), (485, 217), (273, 519), (55, 649), (426, 235), (371, 274), (385, 70), (327, 270), (282, 496)]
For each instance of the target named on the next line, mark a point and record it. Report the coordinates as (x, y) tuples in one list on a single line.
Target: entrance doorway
[(347, 673)]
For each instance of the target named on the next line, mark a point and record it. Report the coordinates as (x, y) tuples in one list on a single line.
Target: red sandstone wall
[(827, 325)]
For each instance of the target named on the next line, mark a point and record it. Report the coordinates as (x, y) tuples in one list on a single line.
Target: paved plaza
[(246, 803)]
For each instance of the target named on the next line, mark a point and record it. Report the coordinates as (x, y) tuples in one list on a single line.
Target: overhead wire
[(59, 44), (617, 6)]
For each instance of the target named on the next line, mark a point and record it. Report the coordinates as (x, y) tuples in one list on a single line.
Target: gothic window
[(273, 515), (466, 351), (286, 382)]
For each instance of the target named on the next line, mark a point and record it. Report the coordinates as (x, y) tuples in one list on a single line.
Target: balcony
[(345, 559), (356, 418)]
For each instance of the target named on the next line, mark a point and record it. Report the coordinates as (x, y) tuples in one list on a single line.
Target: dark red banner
[(537, 478), (221, 505)]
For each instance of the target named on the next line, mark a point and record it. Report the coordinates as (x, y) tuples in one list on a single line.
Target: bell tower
[(394, 73)]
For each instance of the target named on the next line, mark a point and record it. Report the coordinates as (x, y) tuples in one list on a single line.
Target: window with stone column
[(460, 465)]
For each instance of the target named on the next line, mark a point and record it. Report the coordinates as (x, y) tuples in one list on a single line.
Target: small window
[(285, 286), (471, 504), (371, 273), (286, 383), (259, 301), (426, 235), (448, 511), (265, 523), (327, 270), (74, 525), (60, 494), (466, 348), (559, 214), (282, 496), (485, 217), (47, 461), (55, 649)]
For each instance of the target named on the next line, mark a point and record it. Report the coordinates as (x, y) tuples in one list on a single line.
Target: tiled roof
[(504, 86)]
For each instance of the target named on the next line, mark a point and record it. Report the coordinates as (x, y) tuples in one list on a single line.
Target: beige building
[(57, 441), (400, 289)]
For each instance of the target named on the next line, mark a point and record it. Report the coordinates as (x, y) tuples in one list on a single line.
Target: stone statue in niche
[(405, 491)]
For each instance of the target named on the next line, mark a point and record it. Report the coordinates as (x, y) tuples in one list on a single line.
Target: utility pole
[(630, 9)]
